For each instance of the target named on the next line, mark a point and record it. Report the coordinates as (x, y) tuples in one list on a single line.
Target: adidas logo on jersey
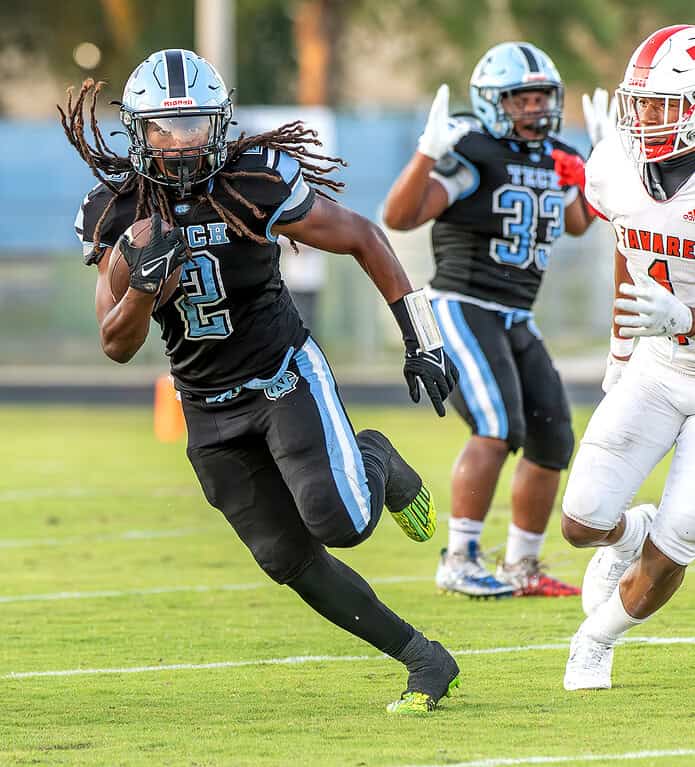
[(689, 217)]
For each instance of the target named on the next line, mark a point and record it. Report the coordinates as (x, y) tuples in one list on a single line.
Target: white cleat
[(589, 665), (467, 575), (605, 569)]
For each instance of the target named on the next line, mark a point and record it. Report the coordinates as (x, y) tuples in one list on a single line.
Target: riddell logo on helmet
[(638, 82), (182, 102)]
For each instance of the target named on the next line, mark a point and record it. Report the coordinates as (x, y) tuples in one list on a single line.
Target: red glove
[(570, 172), (569, 169)]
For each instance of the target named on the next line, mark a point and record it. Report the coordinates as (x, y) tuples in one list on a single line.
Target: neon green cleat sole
[(418, 520), (420, 702)]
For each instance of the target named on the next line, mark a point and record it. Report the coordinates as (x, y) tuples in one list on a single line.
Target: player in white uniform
[(643, 181)]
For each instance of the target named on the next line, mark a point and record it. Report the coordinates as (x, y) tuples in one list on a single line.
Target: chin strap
[(185, 188), (652, 180)]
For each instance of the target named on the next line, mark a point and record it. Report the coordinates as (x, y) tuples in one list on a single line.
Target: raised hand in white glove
[(441, 133), (655, 310), (599, 115), (614, 369)]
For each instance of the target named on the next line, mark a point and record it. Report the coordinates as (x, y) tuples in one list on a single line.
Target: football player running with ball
[(488, 182), (643, 181), (268, 436)]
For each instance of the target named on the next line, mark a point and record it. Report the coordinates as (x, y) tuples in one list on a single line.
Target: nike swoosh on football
[(165, 258)]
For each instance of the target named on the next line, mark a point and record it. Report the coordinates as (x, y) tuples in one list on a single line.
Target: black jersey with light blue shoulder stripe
[(505, 210), (232, 318)]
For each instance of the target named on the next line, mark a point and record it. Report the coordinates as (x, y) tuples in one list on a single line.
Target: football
[(118, 273)]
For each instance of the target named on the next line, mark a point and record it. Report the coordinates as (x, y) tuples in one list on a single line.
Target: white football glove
[(614, 369), (441, 134), (599, 115), (656, 311)]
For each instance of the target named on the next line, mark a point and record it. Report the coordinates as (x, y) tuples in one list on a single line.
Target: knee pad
[(338, 530), (674, 535), (594, 496), (283, 563), (337, 519), (549, 441)]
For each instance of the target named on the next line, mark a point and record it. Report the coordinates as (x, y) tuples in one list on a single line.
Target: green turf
[(83, 496)]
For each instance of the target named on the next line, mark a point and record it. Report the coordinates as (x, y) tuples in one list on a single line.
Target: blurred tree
[(585, 37), (43, 34), (280, 41), (266, 60), (318, 28)]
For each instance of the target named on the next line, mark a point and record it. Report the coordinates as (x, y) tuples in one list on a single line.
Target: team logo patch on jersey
[(182, 208), (284, 385), (689, 216)]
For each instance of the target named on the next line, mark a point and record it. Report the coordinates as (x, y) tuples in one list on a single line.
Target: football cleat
[(589, 665), (418, 519), (436, 678), (529, 579), (420, 702), (605, 569), (465, 574)]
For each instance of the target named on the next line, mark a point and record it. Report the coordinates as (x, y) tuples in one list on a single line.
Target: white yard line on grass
[(128, 535), (103, 593), (631, 756), (127, 592), (29, 494), (300, 659)]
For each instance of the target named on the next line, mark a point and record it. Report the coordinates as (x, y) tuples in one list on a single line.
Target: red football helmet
[(656, 100)]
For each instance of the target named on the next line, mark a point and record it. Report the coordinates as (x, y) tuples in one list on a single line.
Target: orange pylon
[(169, 423)]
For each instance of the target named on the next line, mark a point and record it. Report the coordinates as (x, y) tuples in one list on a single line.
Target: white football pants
[(650, 410)]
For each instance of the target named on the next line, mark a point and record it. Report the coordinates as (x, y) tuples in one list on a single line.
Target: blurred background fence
[(46, 294)]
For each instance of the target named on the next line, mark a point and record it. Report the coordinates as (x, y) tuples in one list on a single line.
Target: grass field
[(114, 571)]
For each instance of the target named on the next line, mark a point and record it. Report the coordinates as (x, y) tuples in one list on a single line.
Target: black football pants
[(284, 467)]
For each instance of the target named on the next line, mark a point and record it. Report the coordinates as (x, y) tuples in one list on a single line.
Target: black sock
[(375, 450), (382, 461), (413, 653), (344, 598)]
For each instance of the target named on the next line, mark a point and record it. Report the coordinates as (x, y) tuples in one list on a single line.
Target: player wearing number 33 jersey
[(488, 182), (268, 436)]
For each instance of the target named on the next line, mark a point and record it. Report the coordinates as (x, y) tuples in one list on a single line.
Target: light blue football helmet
[(509, 68), (176, 110)]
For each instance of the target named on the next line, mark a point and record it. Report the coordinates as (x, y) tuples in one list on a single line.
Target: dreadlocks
[(293, 138)]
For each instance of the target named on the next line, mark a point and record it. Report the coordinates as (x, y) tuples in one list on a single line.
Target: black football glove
[(151, 265), (435, 371), (426, 361)]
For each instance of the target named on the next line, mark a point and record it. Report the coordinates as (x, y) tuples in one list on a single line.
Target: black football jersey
[(506, 208), (232, 318)]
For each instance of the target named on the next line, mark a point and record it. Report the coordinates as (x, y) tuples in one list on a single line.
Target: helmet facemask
[(178, 147), (655, 126), (545, 119)]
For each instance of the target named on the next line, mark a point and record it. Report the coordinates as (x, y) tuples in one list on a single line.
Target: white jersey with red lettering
[(656, 237)]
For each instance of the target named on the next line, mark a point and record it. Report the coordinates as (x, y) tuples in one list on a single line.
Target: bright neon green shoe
[(418, 520), (420, 702)]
